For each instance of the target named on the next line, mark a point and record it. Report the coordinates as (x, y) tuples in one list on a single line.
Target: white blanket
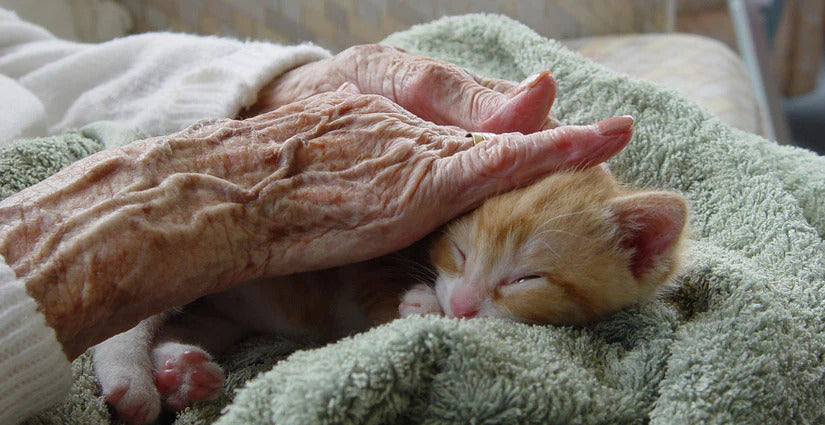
[(159, 82)]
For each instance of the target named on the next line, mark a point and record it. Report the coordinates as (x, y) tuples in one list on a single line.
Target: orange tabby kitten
[(572, 248)]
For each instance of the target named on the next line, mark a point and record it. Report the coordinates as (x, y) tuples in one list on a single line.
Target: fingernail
[(614, 125), (531, 82)]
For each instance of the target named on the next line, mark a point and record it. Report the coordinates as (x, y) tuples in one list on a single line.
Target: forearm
[(87, 240), (129, 232)]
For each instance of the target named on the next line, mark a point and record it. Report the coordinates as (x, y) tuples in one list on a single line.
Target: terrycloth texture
[(26, 162), (742, 341)]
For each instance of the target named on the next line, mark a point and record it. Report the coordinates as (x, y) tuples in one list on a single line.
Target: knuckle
[(430, 72), (432, 68), (498, 159), (427, 73), (363, 50)]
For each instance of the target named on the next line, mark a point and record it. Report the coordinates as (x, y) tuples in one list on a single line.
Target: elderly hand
[(436, 91), (335, 178)]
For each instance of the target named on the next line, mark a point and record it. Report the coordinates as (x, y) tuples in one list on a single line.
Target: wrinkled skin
[(334, 178), (436, 91)]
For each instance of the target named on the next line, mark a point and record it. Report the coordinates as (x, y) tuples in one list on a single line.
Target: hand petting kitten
[(335, 178), (323, 178)]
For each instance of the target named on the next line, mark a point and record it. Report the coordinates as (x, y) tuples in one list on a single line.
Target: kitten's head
[(568, 249)]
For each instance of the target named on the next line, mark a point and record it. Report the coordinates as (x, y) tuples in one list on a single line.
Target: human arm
[(336, 178)]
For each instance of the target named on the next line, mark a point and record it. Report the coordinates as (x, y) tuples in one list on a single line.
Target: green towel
[(741, 341), (27, 162)]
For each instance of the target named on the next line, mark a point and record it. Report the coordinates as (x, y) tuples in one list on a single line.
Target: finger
[(447, 96), (528, 106), (501, 86), (504, 86), (509, 161)]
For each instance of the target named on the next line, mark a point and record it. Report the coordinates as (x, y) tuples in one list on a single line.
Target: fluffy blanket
[(741, 341)]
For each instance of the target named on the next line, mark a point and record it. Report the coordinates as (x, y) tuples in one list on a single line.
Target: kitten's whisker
[(415, 269), (422, 275), (552, 251)]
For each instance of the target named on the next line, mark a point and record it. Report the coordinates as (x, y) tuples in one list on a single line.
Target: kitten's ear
[(651, 224)]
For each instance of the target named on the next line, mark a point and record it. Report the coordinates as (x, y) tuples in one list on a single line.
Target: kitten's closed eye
[(524, 279), (460, 257)]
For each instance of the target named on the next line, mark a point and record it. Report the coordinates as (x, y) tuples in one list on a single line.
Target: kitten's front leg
[(124, 370), (419, 300)]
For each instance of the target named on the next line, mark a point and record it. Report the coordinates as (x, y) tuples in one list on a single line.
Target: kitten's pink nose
[(465, 314), (465, 302)]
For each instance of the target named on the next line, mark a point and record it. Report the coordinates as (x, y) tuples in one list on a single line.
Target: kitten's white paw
[(132, 392), (419, 300), (185, 373)]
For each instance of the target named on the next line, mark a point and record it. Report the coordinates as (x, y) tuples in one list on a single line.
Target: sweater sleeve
[(34, 372), (157, 82)]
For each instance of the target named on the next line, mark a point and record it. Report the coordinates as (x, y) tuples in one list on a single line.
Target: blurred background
[(757, 64)]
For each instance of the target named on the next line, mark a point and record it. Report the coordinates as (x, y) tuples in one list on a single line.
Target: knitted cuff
[(227, 84), (34, 372)]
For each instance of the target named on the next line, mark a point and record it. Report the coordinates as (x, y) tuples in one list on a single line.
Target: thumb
[(508, 161), (455, 98)]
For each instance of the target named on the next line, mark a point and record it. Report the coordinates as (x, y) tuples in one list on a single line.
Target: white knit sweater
[(160, 83)]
